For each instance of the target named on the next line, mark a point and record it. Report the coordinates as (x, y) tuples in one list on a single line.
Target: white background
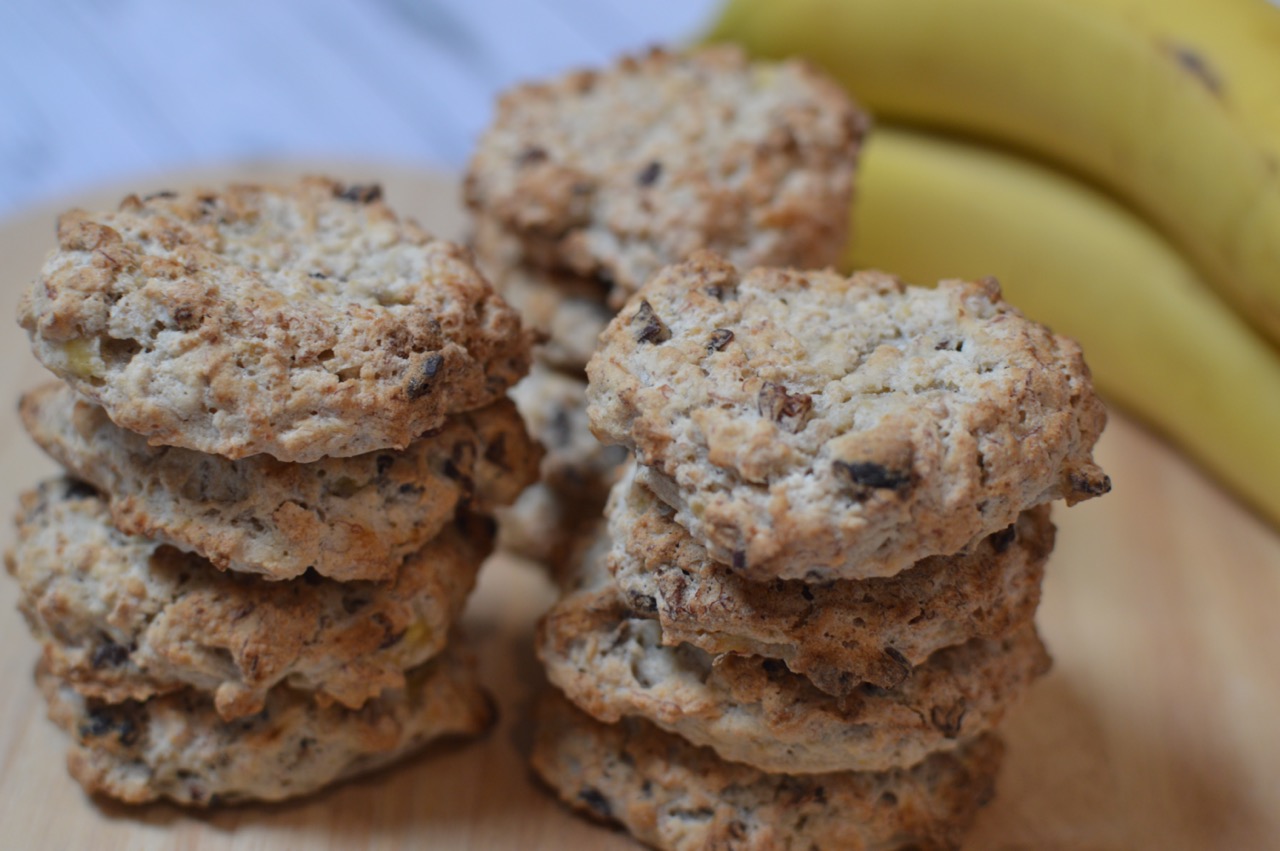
[(93, 91)]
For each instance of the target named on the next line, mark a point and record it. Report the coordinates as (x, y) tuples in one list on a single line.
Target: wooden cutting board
[(1158, 728)]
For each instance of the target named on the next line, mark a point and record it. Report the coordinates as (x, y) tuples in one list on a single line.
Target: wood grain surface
[(1157, 728)]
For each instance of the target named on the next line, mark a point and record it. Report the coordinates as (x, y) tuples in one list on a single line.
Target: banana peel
[(1172, 105), (1160, 343)]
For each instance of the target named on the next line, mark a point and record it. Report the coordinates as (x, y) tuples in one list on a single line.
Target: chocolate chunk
[(361, 193), (598, 803), (896, 668), (948, 719), (870, 475), (644, 604), (384, 463), (790, 410), (77, 489), (720, 338), (109, 655), (1090, 485), (185, 318), (104, 720), (651, 329), (649, 174), (391, 636), (420, 384), (739, 559), (530, 155)]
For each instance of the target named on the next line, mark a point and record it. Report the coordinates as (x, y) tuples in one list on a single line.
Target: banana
[(1174, 105), (1160, 343)]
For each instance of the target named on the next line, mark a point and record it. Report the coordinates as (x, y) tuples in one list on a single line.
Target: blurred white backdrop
[(103, 90)]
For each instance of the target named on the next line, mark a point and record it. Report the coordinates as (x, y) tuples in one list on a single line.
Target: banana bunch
[(1171, 106)]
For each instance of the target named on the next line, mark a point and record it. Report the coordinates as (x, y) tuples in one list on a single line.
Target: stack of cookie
[(817, 595), (585, 186), (282, 423)]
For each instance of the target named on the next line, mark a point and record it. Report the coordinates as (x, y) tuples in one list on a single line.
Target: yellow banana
[(1159, 342), (1172, 104)]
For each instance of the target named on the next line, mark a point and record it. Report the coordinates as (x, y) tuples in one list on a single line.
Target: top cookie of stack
[(587, 184), (285, 409), (614, 174), (813, 426), (302, 322)]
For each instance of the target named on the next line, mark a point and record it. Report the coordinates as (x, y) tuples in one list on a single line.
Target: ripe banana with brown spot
[(1173, 105)]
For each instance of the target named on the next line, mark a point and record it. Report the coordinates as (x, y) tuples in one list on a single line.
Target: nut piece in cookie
[(613, 174), (299, 321), (807, 425)]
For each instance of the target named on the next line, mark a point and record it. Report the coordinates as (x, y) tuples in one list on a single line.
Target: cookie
[(545, 525), (575, 463), (123, 617), (674, 796), (568, 312), (300, 321), (613, 174), (807, 425), (838, 634), (613, 664), (176, 746), (346, 518)]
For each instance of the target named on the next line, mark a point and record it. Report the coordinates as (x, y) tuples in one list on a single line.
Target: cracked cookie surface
[(177, 748), (808, 425), (613, 174), (122, 617), (345, 518), (613, 664), (672, 795), (300, 321), (838, 634)]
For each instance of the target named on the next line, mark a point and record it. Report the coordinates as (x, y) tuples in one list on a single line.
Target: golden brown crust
[(176, 747), (613, 174), (837, 634), (122, 617), (613, 664), (807, 425), (301, 321), (345, 518), (674, 796)]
